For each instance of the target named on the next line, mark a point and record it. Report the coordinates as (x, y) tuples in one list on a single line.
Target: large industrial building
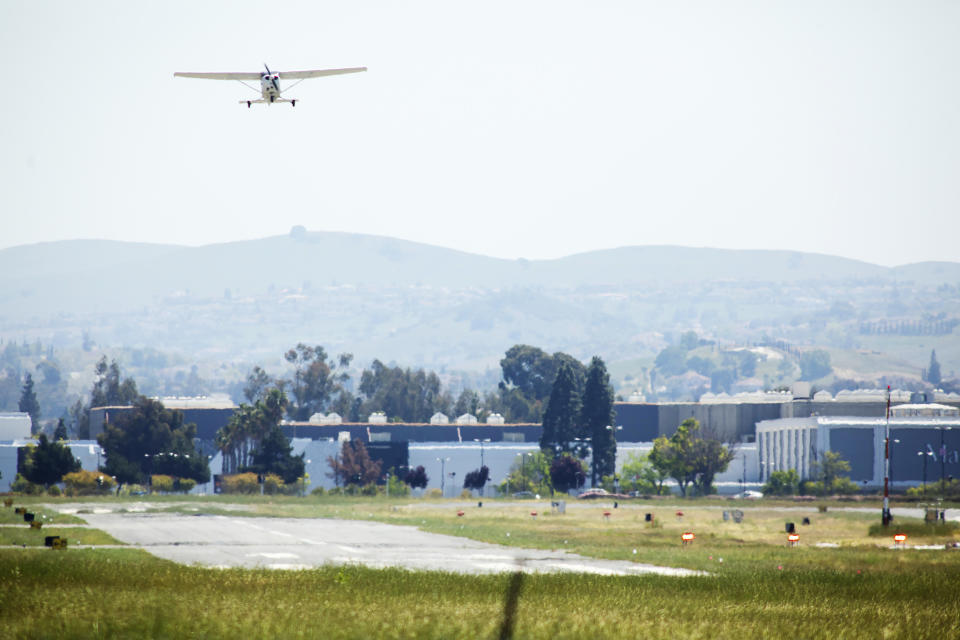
[(924, 444), (769, 431)]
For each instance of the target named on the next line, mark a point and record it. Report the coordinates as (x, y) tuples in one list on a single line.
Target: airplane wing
[(219, 76), (303, 75)]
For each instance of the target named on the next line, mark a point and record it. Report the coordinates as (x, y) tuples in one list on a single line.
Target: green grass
[(25, 536), (917, 529), (117, 593), (761, 588), (8, 515)]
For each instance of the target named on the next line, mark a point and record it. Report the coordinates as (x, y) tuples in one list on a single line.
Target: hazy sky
[(511, 129)]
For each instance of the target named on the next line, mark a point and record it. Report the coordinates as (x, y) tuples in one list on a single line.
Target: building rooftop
[(215, 401)]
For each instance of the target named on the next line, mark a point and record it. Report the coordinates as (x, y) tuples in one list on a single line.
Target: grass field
[(761, 588), (27, 537), (8, 515)]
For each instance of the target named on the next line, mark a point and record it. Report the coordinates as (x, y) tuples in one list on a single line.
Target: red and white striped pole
[(885, 517)]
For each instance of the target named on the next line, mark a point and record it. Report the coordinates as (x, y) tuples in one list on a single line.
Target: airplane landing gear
[(248, 104), (293, 103)]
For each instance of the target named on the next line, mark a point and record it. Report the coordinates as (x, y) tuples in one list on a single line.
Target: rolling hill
[(98, 275)]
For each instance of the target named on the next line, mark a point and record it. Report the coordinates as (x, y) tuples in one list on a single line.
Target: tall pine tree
[(562, 416), (29, 403), (48, 462), (597, 417)]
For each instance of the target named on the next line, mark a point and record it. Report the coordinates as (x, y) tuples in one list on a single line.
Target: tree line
[(321, 384), (573, 402)]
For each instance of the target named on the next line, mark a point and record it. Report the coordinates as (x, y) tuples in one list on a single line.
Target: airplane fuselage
[(270, 86)]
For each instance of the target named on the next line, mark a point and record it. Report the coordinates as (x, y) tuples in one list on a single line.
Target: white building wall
[(465, 457), (785, 444), (14, 426), (83, 450), (8, 465), (316, 453), (88, 452)]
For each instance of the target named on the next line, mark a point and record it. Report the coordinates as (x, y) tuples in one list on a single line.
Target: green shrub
[(397, 486), (782, 483), (88, 483), (811, 488), (434, 493), (370, 489), (185, 485), (948, 488), (845, 487), (319, 491), (839, 487), (24, 486), (244, 483), (273, 484), (161, 483), (54, 491)]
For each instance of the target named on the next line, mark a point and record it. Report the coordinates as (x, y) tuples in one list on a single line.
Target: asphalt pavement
[(295, 543)]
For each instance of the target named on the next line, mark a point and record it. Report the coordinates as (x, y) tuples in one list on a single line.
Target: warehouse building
[(924, 444)]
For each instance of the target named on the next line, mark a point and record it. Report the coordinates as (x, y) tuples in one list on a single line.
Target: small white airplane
[(269, 81)]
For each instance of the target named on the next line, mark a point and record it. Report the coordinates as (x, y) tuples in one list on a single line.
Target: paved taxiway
[(291, 543)]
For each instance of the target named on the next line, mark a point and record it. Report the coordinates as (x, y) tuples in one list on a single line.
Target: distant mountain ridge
[(102, 275)]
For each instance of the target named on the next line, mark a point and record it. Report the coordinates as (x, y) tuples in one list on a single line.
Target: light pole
[(149, 469), (443, 468), (481, 441), (582, 445), (925, 455), (743, 476), (527, 479), (523, 469), (943, 460), (613, 435), (398, 475), (209, 477), (766, 468), (303, 481)]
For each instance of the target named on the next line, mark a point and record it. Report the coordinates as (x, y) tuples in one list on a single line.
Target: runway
[(292, 543)]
